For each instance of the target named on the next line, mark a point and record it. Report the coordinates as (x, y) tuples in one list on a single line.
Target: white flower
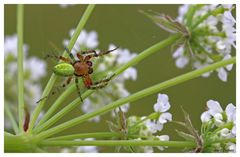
[(130, 73), (182, 11), (218, 119), (124, 55), (214, 107), (34, 70), (10, 46), (163, 138), (231, 112), (87, 149), (230, 66), (165, 117), (154, 127), (231, 147), (222, 74), (162, 104), (181, 60), (160, 107), (36, 67), (225, 121), (205, 116), (226, 133), (85, 40)]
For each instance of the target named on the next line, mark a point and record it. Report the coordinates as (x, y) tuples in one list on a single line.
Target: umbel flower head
[(219, 125), (208, 34), (149, 127)]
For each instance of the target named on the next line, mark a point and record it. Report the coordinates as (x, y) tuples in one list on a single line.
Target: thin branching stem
[(153, 49), (136, 96)]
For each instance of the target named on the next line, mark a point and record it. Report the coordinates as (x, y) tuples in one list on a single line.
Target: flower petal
[(214, 107)]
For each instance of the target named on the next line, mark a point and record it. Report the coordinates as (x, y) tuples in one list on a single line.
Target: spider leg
[(80, 57), (70, 54), (57, 89), (106, 52), (101, 83), (93, 53), (59, 58), (78, 89)]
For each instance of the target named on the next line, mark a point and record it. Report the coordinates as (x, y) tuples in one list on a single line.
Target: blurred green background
[(124, 26)]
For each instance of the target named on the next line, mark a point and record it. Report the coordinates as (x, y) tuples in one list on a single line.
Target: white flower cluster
[(109, 62), (222, 121), (149, 126), (34, 70), (81, 149), (210, 41), (160, 107)]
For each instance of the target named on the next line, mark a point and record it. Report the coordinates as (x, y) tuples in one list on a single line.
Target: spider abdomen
[(63, 69)]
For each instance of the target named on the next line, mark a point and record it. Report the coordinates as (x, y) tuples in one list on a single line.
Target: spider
[(81, 68)]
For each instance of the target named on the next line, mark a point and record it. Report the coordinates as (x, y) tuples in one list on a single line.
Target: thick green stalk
[(20, 15), (53, 78), (11, 118), (114, 143), (134, 61), (135, 96), (18, 143)]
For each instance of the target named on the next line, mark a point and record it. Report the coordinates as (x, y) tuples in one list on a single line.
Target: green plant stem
[(134, 61), (190, 14), (214, 12), (113, 143), (56, 105), (46, 123), (61, 113), (53, 78), (149, 51), (135, 96), (18, 143), (96, 135), (20, 15), (11, 118)]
